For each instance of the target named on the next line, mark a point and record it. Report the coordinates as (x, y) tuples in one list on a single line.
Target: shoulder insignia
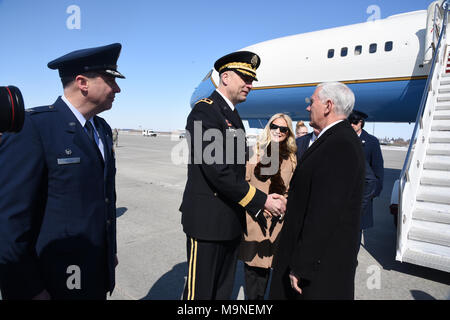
[(40, 109), (206, 100)]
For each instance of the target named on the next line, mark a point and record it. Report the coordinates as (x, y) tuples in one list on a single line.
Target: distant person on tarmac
[(115, 137)]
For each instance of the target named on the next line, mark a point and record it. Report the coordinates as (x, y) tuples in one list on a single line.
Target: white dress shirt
[(82, 121), (328, 127), (227, 100)]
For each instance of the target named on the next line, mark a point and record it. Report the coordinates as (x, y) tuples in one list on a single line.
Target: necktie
[(92, 136), (90, 132)]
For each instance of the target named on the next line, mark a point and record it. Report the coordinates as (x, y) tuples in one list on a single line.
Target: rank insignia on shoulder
[(206, 100)]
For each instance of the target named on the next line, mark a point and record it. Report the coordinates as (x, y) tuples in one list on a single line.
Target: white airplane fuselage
[(381, 61)]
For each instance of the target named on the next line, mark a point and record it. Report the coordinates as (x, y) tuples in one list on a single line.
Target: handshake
[(275, 205)]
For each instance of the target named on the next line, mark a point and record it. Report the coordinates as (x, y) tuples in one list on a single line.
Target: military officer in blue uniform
[(57, 199), (374, 159), (216, 194)]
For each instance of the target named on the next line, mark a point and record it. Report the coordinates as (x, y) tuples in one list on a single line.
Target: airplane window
[(388, 46), (373, 48), (330, 53), (358, 50), (344, 51)]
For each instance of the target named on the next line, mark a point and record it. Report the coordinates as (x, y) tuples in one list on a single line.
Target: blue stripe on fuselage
[(383, 101)]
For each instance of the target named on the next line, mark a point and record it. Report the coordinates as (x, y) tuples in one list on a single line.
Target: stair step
[(440, 137), (443, 105), (437, 163), (435, 261), (443, 97), (434, 212), (435, 178), (440, 125), (444, 87), (442, 115), (438, 149), (444, 81), (439, 194), (430, 232)]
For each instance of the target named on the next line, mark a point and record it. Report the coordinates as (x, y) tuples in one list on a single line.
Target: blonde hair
[(265, 138), (299, 124)]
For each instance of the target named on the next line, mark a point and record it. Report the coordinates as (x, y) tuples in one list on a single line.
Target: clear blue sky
[(168, 46)]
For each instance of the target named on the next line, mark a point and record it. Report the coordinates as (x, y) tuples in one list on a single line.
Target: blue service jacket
[(302, 144), (57, 208), (374, 159)]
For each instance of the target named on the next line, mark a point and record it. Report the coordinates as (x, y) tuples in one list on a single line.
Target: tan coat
[(257, 250)]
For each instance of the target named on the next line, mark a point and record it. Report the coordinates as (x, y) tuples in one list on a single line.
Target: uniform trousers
[(211, 269), (256, 280)]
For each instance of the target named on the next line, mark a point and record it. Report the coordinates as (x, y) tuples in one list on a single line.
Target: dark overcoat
[(302, 144), (217, 195), (319, 241), (57, 208), (374, 158)]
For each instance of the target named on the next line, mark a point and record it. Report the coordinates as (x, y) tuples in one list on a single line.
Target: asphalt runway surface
[(152, 246)]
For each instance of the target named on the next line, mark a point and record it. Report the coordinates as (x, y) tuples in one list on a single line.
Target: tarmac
[(152, 245)]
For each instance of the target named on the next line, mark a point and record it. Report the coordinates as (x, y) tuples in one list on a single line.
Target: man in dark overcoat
[(58, 198), (374, 159), (217, 195), (316, 257)]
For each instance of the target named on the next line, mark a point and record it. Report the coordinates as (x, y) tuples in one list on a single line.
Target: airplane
[(385, 56)]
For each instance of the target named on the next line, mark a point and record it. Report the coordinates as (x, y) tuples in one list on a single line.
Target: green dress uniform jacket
[(216, 194)]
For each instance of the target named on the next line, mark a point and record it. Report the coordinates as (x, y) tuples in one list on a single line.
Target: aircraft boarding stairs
[(424, 216)]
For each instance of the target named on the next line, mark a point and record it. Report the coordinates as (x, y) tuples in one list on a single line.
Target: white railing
[(413, 167)]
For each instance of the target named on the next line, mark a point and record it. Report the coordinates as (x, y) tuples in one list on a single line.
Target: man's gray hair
[(341, 95)]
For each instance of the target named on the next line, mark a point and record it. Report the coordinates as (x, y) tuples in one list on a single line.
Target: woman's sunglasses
[(282, 129)]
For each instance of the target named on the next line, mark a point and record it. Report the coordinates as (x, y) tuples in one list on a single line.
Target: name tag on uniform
[(68, 161)]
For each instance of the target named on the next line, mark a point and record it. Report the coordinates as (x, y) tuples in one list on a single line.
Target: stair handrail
[(407, 164), (437, 11)]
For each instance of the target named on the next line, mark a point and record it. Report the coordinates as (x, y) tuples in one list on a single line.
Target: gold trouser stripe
[(249, 196), (192, 270)]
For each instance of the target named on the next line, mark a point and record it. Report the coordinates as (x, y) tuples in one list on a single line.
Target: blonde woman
[(259, 242)]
